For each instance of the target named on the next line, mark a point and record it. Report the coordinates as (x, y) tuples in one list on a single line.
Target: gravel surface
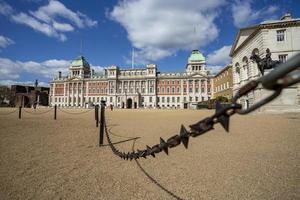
[(41, 158)]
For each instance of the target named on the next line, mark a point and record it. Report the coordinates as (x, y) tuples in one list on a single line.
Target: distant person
[(111, 107)]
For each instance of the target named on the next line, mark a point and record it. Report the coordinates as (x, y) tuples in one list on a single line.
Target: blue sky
[(40, 37)]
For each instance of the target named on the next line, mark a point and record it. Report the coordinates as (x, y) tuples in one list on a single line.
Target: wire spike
[(149, 151), (223, 119), (164, 146), (184, 136)]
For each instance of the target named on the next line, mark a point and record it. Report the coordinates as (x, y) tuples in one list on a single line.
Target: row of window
[(174, 90), (221, 87)]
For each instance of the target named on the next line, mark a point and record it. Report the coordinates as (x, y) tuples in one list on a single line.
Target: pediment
[(74, 79), (197, 75), (241, 37)]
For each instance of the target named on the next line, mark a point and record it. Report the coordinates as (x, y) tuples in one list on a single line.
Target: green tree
[(4, 94), (222, 99)]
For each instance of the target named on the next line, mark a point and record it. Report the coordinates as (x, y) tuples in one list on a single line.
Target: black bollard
[(20, 112), (55, 109), (97, 115), (102, 110)]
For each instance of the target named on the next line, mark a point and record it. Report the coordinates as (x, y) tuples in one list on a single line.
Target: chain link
[(283, 76)]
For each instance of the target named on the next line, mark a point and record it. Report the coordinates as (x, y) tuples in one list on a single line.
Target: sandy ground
[(41, 158)]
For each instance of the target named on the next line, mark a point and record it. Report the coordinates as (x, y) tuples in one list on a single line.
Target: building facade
[(28, 96), (132, 88), (282, 37), (222, 83)]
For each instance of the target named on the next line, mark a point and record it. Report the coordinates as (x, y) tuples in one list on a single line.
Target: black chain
[(75, 113), (283, 76), (37, 113), (8, 113)]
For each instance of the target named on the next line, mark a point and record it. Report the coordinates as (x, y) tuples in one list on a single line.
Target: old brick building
[(222, 83), (133, 88)]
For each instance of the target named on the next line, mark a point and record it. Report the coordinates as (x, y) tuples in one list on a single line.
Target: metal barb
[(184, 136), (284, 75), (164, 146)]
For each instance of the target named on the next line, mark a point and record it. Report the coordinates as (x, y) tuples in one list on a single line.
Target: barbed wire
[(37, 113), (9, 112), (74, 113), (279, 78)]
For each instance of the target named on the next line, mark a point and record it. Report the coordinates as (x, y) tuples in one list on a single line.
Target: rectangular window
[(173, 99), (163, 99), (168, 99), (282, 58), (178, 99), (191, 98), (196, 98), (280, 35), (150, 99)]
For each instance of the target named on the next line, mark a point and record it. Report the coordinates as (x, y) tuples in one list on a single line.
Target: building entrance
[(129, 103)]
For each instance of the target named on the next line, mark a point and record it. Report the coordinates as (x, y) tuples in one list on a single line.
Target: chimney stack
[(59, 74)]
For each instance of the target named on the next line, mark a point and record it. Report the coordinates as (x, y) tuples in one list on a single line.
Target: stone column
[(82, 95), (77, 94), (205, 88), (64, 95), (73, 94), (53, 96)]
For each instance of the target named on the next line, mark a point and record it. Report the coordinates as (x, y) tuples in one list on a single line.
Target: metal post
[(102, 115), (55, 109), (20, 112), (97, 115)]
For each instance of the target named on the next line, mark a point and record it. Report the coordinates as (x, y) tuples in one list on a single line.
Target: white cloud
[(62, 27), (219, 56), (218, 59), (53, 19), (5, 9), (160, 28), (47, 29), (214, 69), (244, 15), (11, 70), (5, 41), (29, 83), (56, 9)]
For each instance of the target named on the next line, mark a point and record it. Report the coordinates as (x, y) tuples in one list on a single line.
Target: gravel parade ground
[(43, 158)]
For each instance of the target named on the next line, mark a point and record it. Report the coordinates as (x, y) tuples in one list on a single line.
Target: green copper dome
[(196, 56), (80, 62)]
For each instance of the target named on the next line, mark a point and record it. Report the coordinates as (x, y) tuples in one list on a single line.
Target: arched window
[(246, 68), (254, 64), (237, 73)]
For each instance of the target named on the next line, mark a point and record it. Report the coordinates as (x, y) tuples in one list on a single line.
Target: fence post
[(97, 115), (55, 109), (20, 112), (102, 115)]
